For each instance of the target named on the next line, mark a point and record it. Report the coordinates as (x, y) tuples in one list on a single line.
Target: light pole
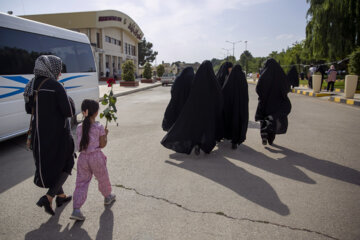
[(227, 52), (245, 44), (233, 43)]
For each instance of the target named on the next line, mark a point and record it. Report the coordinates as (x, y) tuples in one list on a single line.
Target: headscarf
[(223, 72), (45, 66)]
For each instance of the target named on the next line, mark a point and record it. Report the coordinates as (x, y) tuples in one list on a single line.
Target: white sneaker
[(109, 199), (77, 215)]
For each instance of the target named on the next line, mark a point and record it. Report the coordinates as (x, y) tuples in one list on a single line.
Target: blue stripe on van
[(23, 80)]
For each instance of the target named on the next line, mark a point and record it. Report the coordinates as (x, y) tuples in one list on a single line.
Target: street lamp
[(233, 43), (245, 44), (227, 52)]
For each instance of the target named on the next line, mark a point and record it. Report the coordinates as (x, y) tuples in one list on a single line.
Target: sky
[(195, 30)]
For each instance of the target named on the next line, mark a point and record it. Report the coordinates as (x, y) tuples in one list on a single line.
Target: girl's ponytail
[(90, 107)]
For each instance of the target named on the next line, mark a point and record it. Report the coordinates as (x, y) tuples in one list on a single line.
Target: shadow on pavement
[(220, 170), (106, 225), (319, 166), (52, 229), (17, 164)]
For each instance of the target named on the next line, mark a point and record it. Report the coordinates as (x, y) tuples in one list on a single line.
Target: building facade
[(113, 35)]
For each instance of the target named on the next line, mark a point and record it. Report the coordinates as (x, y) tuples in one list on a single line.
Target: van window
[(19, 50)]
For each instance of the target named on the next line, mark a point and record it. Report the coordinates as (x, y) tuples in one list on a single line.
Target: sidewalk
[(337, 95), (121, 91)]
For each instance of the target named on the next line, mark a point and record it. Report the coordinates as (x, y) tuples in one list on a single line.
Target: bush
[(160, 70), (354, 64), (147, 71), (128, 71)]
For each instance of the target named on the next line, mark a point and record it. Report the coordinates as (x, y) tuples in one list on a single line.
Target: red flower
[(110, 82)]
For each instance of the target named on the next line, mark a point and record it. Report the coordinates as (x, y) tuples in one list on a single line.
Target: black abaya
[(223, 72), (274, 104), (293, 77), (236, 106), (180, 91), (200, 121), (53, 145)]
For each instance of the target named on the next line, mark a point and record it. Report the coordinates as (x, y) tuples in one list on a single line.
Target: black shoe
[(61, 200), (44, 202), (270, 142), (197, 150), (264, 141), (234, 146)]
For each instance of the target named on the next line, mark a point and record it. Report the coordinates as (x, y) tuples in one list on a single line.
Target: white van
[(21, 42)]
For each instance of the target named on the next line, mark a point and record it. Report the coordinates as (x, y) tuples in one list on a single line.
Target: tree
[(146, 54), (354, 64), (147, 71), (245, 57), (128, 71), (333, 28), (160, 70)]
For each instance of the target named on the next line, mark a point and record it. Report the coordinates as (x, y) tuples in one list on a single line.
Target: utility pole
[(245, 44), (227, 53), (233, 43)]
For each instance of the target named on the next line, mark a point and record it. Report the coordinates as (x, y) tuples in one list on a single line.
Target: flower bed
[(129, 83)]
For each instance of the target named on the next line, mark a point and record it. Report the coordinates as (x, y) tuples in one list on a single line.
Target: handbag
[(29, 132)]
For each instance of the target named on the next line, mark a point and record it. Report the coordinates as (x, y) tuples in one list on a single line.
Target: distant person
[(236, 107), (224, 72), (107, 72), (311, 72), (51, 140), (199, 124), (91, 138), (323, 72), (331, 78), (180, 91), (293, 77), (274, 104), (302, 75), (115, 74)]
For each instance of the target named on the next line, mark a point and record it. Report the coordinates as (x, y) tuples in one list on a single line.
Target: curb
[(345, 101), (310, 94), (134, 90)]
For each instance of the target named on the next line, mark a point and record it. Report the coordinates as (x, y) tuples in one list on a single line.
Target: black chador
[(200, 122), (293, 77), (53, 146), (223, 73), (180, 91), (236, 107), (274, 104)]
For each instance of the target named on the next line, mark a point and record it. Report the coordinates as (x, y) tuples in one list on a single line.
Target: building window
[(112, 40)]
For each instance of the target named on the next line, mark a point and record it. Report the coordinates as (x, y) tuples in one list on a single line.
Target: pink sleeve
[(101, 130)]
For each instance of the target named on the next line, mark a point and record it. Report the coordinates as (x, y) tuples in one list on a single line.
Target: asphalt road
[(306, 186)]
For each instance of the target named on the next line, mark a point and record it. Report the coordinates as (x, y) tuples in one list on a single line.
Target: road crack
[(223, 214)]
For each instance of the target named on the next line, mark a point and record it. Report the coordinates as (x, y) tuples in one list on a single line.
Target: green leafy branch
[(110, 111)]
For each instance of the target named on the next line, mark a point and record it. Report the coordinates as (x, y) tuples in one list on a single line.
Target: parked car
[(167, 79)]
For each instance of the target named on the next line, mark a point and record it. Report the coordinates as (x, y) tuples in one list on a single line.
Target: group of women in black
[(205, 108)]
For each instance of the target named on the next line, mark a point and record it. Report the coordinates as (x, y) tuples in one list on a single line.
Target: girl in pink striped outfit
[(91, 137)]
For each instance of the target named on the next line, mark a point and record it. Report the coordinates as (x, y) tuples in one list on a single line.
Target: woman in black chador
[(180, 91), (199, 124), (293, 77), (52, 143), (236, 107), (274, 104), (224, 72)]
